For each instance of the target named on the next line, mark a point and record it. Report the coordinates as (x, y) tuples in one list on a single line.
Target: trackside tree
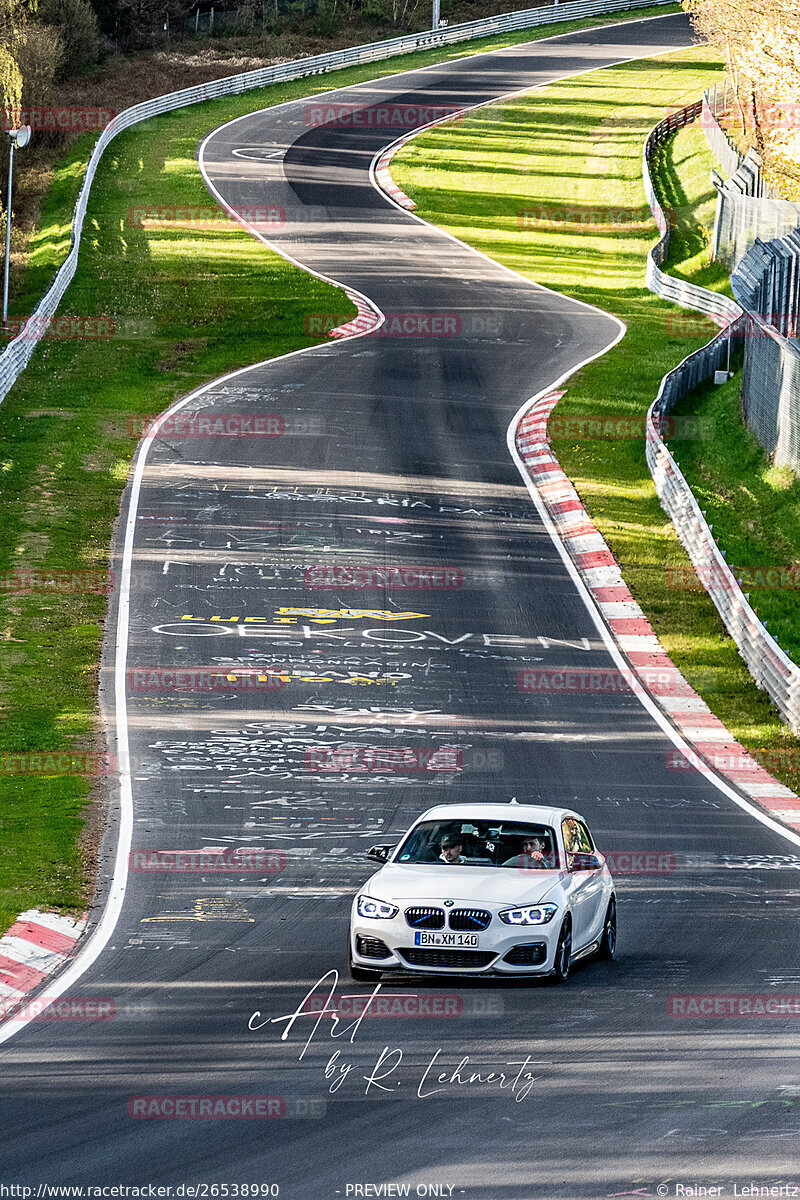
[(760, 40)]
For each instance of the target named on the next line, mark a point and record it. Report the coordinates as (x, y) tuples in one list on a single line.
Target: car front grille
[(469, 918), (461, 959), (425, 918), (530, 954), (369, 947)]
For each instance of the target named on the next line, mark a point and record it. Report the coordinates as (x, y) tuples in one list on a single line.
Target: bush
[(40, 55), (76, 24)]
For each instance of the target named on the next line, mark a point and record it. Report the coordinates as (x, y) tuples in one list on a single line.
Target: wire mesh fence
[(767, 284), (747, 208)]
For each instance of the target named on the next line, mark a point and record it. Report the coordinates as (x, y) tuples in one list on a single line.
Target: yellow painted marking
[(207, 910)]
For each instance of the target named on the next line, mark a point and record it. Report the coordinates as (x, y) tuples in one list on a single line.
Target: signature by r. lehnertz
[(515, 1078)]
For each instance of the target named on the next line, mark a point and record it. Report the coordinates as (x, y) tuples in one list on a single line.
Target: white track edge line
[(101, 935)]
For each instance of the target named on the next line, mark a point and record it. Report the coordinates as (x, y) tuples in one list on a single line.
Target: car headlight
[(536, 914), (375, 909)]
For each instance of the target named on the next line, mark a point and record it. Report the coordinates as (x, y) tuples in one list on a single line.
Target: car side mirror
[(380, 853), (580, 861)]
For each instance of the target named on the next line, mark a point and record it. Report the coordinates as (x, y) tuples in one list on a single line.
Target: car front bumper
[(501, 949)]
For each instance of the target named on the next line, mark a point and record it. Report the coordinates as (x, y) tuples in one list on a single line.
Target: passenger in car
[(451, 849)]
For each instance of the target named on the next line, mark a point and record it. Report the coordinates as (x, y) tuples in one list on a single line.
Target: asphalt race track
[(394, 454)]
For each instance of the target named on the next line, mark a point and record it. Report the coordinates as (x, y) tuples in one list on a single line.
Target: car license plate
[(445, 939)]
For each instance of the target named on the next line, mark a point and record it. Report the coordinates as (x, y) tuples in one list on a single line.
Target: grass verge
[(188, 305), (584, 228)]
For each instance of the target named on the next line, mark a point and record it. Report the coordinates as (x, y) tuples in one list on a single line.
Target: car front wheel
[(563, 959), (608, 942)]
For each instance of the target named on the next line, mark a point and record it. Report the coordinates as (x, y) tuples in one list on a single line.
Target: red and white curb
[(712, 743), (381, 172), (384, 178), (36, 946), (366, 320)]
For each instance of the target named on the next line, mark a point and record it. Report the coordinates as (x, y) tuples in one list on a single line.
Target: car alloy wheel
[(608, 942), (563, 959)]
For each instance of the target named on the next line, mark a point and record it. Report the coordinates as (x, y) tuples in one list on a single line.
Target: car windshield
[(479, 843)]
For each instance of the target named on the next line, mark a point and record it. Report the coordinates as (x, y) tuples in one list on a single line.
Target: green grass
[(188, 306), (681, 170), (753, 506), (574, 150)]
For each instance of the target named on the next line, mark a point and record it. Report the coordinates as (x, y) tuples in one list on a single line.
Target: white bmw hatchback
[(506, 889)]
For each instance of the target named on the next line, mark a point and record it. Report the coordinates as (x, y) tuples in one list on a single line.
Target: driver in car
[(451, 849), (535, 856)]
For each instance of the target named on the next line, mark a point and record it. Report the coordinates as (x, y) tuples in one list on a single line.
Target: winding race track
[(395, 454)]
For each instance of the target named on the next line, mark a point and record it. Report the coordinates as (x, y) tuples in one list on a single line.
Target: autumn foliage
[(760, 40)]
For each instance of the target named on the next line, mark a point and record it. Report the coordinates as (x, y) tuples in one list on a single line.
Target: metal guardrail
[(17, 354), (678, 291), (770, 666)]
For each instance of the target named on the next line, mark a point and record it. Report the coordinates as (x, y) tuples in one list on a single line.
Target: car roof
[(541, 814)]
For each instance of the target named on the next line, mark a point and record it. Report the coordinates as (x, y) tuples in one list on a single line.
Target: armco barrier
[(771, 668), (17, 354), (719, 308)]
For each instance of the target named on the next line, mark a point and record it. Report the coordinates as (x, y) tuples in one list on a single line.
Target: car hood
[(471, 885)]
